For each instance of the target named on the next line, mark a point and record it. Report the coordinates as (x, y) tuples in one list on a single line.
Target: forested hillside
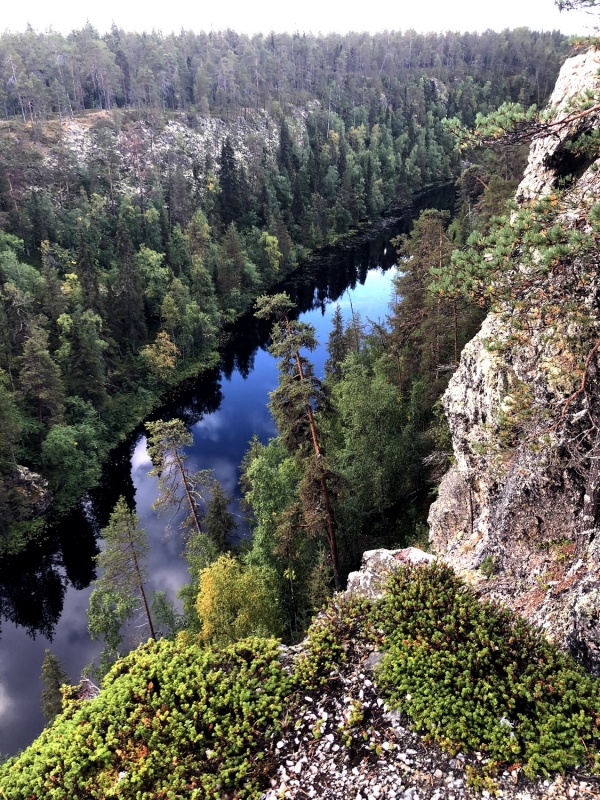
[(151, 187), (228, 74), (153, 190)]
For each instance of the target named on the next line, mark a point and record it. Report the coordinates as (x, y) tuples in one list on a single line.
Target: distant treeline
[(226, 73)]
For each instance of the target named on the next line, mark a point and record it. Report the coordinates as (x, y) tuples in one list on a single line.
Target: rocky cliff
[(125, 149), (518, 513)]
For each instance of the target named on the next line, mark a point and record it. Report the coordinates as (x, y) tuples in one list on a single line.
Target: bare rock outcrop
[(33, 489), (519, 514), (549, 156), (375, 568), (194, 143)]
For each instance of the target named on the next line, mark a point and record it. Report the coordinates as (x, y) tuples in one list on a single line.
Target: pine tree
[(180, 488), (292, 404), (53, 677)]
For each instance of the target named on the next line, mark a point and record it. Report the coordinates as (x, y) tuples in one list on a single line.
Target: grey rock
[(375, 567), (33, 489), (519, 507), (373, 660)]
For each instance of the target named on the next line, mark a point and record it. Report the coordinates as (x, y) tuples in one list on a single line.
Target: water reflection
[(32, 590), (44, 591)]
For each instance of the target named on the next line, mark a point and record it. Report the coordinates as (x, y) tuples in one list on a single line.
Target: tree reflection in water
[(44, 590)]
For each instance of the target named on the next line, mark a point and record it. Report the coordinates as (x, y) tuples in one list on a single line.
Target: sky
[(245, 16)]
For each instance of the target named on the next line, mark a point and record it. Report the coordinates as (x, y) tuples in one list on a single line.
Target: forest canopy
[(151, 187)]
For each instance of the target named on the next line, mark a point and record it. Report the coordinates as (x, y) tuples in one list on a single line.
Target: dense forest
[(151, 187), (227, 74)]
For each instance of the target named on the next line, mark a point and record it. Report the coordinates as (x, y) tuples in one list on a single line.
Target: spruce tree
[(337, 347), (86, 269), (120, 587), (229, 181), (53, 677), (127, 315), (40, 381), (219, 521)]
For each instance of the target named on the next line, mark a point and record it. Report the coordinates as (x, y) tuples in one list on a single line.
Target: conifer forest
[(168, 198)]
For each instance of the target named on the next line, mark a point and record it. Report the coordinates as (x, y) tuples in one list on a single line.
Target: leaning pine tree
[(292, 405), (194, 498), (180, 489), (183, 493)]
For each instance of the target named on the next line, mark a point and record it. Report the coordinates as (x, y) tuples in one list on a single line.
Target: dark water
[(44, 592)]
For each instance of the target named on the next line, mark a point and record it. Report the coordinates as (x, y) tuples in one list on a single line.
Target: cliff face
[(526, 510), (125, 149)]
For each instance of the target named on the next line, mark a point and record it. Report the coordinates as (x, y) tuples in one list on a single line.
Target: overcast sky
[(290, 15)]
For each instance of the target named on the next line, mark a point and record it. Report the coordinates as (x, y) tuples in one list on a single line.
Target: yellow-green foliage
[(235, 601), (173, 720)]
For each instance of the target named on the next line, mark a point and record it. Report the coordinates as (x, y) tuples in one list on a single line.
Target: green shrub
[(173, 720), (476, 677), (487, 566), (176, 720), (332, 635)]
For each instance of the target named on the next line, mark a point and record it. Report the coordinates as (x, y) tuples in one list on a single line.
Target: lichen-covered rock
[(33, 489), (584, 636), (548, 160), (194, 143), (519, 514), (375, 567)]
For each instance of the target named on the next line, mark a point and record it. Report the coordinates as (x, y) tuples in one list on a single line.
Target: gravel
[(342, 742)]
